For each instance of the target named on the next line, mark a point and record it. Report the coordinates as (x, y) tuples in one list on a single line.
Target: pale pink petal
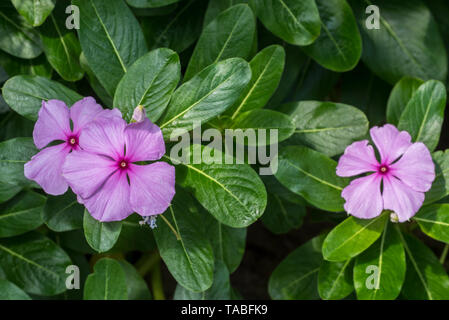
[(415, 168), (390, 142), (83, 112), (400, 198), (144, 141), (52, 124), (152, 187), (111, 201), (46, 169), (105, 137), (358, 158), (86, 172), (363, 197)]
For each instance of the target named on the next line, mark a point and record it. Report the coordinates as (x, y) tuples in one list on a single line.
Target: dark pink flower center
[(123, 164), (383, 169), (72, 141)]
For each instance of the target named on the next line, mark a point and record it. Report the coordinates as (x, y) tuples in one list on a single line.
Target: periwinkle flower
[(106, 176), (54, 125), (397, 182)]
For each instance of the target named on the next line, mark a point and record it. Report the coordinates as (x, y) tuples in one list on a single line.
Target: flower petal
[(144, 141), (363, 198), (104, 137), (415, 168), (152, 187), (401, 199), (46, 169), (83, 112), (86, 172), (390, 142), (52, 124), (358, 158), (111, 201)]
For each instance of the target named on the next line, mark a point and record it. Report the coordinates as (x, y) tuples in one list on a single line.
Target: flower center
[(383, 169), (123, 164), (72, 141)]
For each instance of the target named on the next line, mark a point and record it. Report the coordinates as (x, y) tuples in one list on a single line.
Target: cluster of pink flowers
[(100, 157)]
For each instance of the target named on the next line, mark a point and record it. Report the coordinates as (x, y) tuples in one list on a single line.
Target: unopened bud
[(394, 217), (138, 114)]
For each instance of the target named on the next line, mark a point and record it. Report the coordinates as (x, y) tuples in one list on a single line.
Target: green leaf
[(101, 236), (282, 216), (311, 175), (440, 186), (379, 271), (206, 95), (214, 8), (339, 45), (9, 291), (335, 280), (230, 35), (21, 214), (296, 22), (16, 37), (108, 282), (137, 288), (266, 68), (34, 263), (61, 45), (34, 11), (352, 237), (400, 96), (111, 39), (13, 125), (190, 259), (14, 66), (407, 42), (239, 196), (63, 213), (8, 190), (426, 278), (296, 277), (265, 120), (24, 94), (14, 154), (94, 83), (326, 126), (134, 236), (220, 290), (150, 3), (149, 82), (424, 114), (434, 221)]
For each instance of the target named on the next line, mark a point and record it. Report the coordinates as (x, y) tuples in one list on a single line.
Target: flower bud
[(138, 114), (394, 217)]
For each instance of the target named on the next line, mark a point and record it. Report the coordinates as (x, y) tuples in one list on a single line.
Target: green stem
[(156, 282), (147, 262), (444, 254), (171, 227)]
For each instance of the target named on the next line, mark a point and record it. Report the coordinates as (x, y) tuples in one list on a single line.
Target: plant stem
[(444, 254), (171, 227), (156, 282), (147, 262)]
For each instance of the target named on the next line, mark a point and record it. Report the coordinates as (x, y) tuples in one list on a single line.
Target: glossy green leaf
[(335, 279), (379, 272), (24, 94), (206, 95), (8, 190), (266, 68), (13, 125), (149, 82), (111, 39), (440, 186), (34, 263), (296, 22), (426, 278), (407, 42), (190, 258), (9, 291), (434, 221), (400, 96), (296, 277), (214, 8), (137, 288), (101, 236), (16, 37), (14, 154), (424, 114), (230, 35), (282, 216), (134, 236), (150, 3), (98, 88), (61, 46), (352, 237), (16, 66), (63, 213), (311, 175), (21, 214), (108, 282), (220, 289), (339, 45), (34, 11), (326, 126)]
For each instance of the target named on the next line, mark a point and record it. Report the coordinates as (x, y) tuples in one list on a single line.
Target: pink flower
[(405, 172), (105, 174), (53, 124)]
